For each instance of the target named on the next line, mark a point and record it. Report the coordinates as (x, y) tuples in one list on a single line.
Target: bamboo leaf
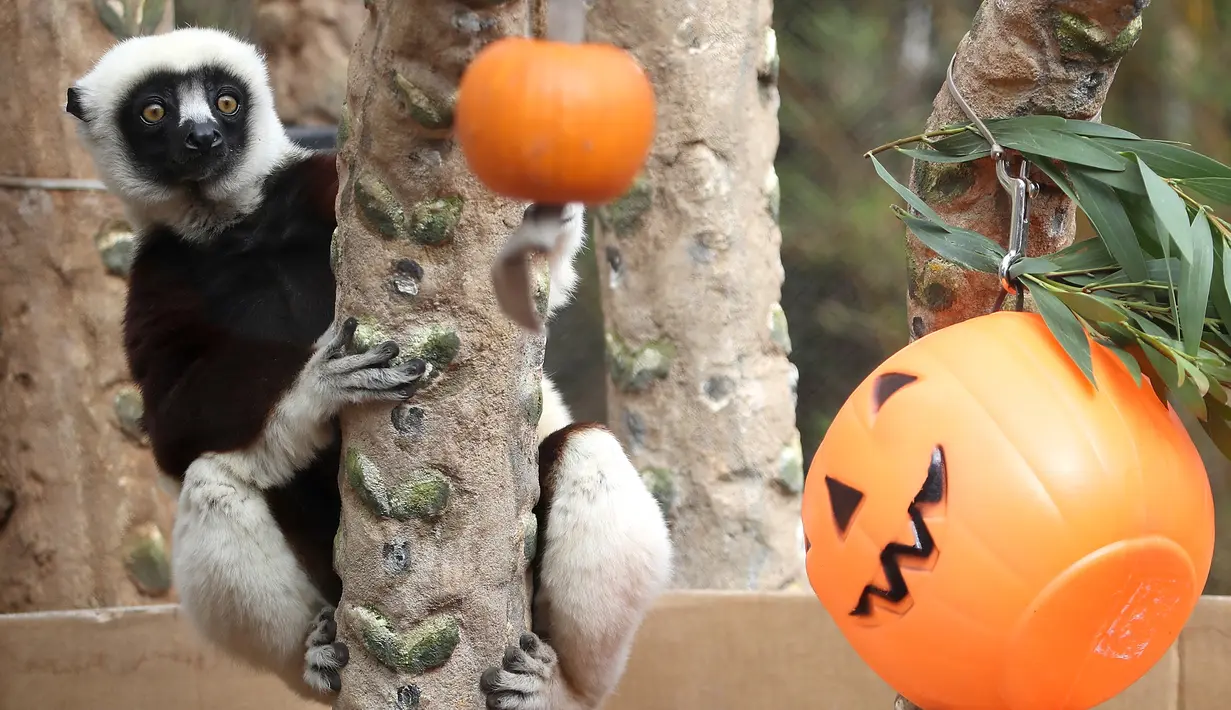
[(1195, 376), (1072, 149), (1163, 365), (1220, 291), (1065, 328), (1215, 188), (1130, 362), (1195, 277), (972, 252), (1032, 265), (1217, 425), (1085, 255), (1168, 159), (935, 156), (1091, 307), (916, 203), (1170, 209), (1102, 205)]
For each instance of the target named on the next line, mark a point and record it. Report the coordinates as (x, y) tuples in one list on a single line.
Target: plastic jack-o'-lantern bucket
[(991, 533)]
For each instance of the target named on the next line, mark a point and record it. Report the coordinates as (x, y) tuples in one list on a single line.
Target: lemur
[(230, 333)]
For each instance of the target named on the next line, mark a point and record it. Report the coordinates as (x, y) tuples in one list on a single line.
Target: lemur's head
[(189, 109)]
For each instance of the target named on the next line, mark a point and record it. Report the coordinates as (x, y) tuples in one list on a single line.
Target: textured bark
[(700, 388), (1027, 57), (437, 496), (83, 521), (307, 45)]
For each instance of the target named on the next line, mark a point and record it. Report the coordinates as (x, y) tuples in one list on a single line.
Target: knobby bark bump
[(437, 492), (1053, 57), (1027, 57), (83, 520), (700, 388)]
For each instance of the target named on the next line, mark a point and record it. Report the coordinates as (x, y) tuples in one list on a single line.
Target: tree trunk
[(83, 521), (1025, 57), (307, 45), (437, 494), (700, 389)]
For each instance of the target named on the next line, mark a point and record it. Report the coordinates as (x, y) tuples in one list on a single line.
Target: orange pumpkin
[(992, 533), (555, 122)]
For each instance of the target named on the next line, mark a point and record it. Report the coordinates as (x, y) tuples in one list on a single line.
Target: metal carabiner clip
[(1021, 189)]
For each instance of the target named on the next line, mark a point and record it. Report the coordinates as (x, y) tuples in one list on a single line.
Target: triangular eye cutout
[(887, 385), (933, 490), (844, 501)]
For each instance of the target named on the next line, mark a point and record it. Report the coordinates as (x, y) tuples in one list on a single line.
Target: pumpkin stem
[(566, 21)]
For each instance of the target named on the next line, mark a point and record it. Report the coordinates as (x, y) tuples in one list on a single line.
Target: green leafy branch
[(1154, 287)]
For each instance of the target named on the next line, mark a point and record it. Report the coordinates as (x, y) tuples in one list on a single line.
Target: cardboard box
[(697, 651)]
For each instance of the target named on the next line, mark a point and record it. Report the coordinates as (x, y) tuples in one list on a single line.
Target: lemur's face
[(185, 127), (189, 112)]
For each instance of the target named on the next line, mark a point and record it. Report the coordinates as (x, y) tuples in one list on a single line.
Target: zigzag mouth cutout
[(932, 492)]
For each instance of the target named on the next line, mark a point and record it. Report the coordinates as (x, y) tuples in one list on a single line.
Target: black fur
[(165, 150), (73, 104), (216, 331)]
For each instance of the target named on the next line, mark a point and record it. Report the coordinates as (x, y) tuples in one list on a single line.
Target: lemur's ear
[(74, 105)]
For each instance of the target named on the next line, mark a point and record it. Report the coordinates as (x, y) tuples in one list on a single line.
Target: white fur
[(562, 255), (238, 580), (220, 202), (607, 558)]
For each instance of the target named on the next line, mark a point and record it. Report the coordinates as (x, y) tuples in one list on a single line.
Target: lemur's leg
[(239, 580), (603, 561)]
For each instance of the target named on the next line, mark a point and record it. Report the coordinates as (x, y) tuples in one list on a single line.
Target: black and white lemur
[(231, 335)]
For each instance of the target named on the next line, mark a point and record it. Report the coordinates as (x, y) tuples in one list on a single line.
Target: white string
[(29, 183)]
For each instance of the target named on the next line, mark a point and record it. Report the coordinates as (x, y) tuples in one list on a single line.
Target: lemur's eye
[(153, 113), (227, 104)]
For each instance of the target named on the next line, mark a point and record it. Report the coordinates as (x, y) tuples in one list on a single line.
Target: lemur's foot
[(326, 656), (524, 680)]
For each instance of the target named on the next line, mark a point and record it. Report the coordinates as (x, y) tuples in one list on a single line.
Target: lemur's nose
[(203, 136)]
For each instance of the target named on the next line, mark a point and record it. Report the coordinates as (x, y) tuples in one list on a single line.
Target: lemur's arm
[(604, 552)]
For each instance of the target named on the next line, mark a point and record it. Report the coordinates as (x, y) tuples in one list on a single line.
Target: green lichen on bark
[(661, 484), (364, 478), (368, 334), (790, 469), (534, 402), (1079, 36), (634, 369), (339, 548), (146, 559), (129, 409), (335, 250), (939, 183), (433, 222), (542, 288), (343, 125), (428, 108), (115, 243), (429, 645), (779, 333), (422, 494), (130, 18), (530, 536), (767, 71), (625, 214), (773, 194), (436, 344), (938, 284), (378, 207)]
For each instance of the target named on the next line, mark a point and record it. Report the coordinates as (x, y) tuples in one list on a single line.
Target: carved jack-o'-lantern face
[(989, 531), (920, 546)]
